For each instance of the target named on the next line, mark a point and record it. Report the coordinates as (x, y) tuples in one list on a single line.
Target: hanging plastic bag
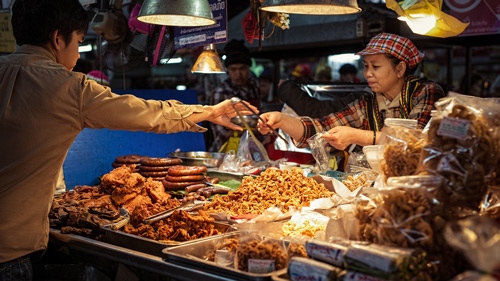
[(426, 18)]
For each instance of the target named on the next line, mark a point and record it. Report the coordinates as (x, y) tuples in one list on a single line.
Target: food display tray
[(150, 246), (281, 275), (192, 254)]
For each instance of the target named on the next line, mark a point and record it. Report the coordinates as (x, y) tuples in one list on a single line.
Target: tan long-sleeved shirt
[(43, 107)]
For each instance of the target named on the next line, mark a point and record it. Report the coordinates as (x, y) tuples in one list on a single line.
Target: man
[(348, 73), (44, 106), (239, 83)]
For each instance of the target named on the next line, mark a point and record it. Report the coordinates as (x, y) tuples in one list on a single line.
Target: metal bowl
[(199, 158), (250, 119)]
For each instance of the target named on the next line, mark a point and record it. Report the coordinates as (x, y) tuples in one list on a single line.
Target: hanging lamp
[(208, 61), (176, 12), (311, 7)]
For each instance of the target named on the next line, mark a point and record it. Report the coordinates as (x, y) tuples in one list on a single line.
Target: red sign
[(483, 15)]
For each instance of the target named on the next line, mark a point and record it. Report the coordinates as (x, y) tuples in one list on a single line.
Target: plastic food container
[(374, 154)]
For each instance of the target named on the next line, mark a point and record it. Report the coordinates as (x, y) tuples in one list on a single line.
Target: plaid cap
[(400, 47)]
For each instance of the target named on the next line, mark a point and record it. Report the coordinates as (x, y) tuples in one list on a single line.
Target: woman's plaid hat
[(400, 47)]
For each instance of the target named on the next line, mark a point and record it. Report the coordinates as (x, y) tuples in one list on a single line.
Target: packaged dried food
[(478, 240), (463, 147), (391, 263), (258, 254), (307, 269), (402, 149)]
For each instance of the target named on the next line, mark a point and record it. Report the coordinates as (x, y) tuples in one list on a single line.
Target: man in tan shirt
[(44, 106)]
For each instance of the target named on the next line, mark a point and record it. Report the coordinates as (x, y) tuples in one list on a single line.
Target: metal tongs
[(169, 212), (236, 100)]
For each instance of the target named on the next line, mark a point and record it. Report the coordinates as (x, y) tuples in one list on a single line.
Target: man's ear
[(56, 40)]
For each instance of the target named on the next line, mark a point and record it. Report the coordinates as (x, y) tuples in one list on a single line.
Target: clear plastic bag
[(405, 214), (402, 150), (320, 150), (490, 205), (463, 148), (477, 238), (261, 253)]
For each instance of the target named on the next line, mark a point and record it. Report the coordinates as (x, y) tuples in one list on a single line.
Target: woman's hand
[(273, 119), (342, 136)]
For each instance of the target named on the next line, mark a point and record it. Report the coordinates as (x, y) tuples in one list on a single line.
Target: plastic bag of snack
[(463, 147), (402, 150), (260, 254), (388, 263), (320, 150), (408, 215), (477, 238), (400, 217)]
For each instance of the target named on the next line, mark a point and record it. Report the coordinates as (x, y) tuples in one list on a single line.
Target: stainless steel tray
[(192, 255), (150, 246), (281, 275), (226, 176)]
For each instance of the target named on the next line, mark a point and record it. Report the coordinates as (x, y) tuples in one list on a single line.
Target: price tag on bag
[(454, 128)]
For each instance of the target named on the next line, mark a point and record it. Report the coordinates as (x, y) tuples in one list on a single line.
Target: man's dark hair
[(34, 20)]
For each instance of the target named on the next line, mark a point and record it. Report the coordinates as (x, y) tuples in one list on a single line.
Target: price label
[(454, 128)]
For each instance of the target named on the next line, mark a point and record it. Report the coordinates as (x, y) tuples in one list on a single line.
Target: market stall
[(423, 209)]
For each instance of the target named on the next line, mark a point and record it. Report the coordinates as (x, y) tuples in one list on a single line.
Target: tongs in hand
[(235, 100)]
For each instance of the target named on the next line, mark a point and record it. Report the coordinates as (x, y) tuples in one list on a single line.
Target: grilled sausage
[(179, 170), (194, 187), (178, 185), (185, 178)]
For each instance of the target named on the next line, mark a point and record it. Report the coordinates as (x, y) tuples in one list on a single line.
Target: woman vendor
[(389, 61)]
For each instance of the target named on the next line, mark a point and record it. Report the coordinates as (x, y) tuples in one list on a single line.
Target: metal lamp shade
[(312, 7), (176, 12), (208, 61)]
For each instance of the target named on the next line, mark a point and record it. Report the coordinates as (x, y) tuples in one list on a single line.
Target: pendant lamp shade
[(312, 7), (176, 12), (208, 61)]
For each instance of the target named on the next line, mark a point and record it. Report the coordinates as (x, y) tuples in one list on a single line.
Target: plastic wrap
[(390, 263), (403, 147), (463, 148), (406, 214), (260, 254), (320, 150), (398, 216), (479, 240), (490, 205)]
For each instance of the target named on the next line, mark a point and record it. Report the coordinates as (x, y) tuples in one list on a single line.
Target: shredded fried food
[(273, 187), (180, 226), (354, 182), (402, 159), (307, 228)]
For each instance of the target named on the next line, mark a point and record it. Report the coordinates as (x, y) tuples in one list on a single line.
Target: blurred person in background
[(301, 73), (348, 74), (324, 74), (478, 86), (239, 83)]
